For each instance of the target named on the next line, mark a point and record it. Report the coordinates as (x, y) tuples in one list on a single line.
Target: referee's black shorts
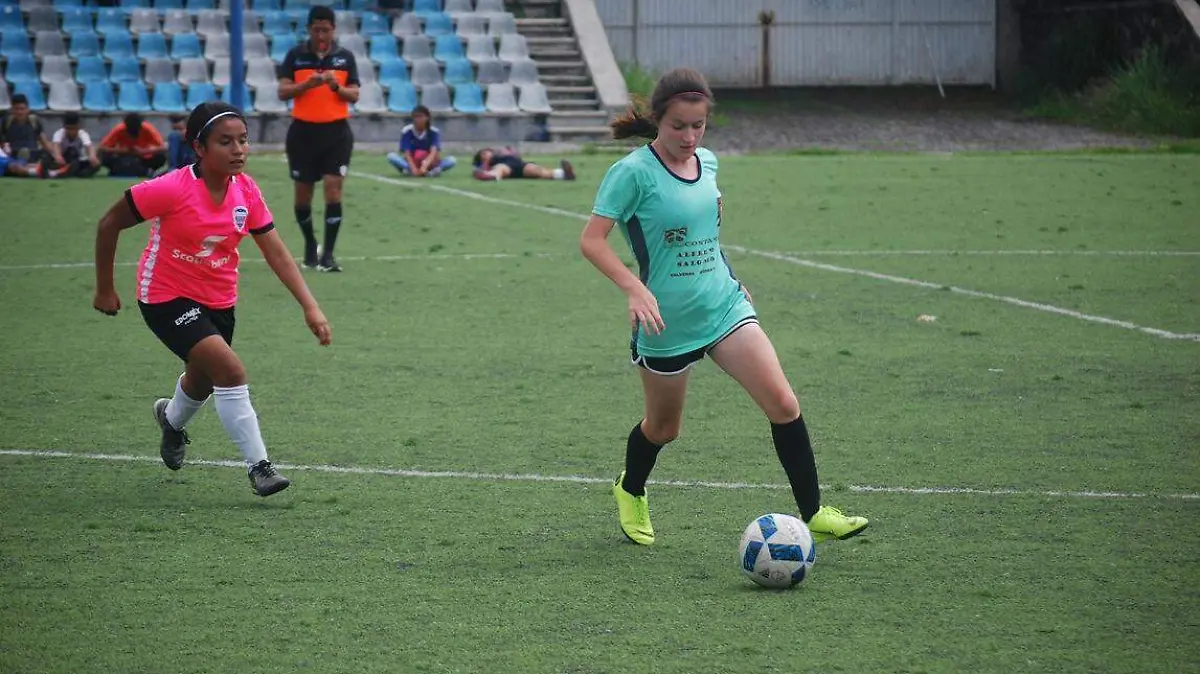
[(315, 150)]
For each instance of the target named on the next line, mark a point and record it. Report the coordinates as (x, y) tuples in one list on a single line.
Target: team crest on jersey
[(240, 213)]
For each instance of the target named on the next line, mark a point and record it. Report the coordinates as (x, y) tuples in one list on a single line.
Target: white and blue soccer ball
[(777, 551)]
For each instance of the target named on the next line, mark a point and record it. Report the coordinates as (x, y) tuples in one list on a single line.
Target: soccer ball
[(777, 551)]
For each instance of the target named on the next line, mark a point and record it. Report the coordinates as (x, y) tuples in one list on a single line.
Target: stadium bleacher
[(167, 55)]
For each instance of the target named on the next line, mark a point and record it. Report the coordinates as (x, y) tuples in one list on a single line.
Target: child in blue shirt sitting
[(420, 148)]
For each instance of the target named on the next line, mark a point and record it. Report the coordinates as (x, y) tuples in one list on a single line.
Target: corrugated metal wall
[(813, 42)]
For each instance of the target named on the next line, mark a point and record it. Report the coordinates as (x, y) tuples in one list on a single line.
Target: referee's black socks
[(304, 218), (333, 222), (795, 452)]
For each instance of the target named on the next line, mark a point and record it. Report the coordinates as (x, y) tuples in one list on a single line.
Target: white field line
[(1031, 253), (1049, 308), (374, 258), (580, 479)]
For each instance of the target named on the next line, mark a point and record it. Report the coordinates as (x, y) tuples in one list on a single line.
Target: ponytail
[(635, 122), (682, 84)]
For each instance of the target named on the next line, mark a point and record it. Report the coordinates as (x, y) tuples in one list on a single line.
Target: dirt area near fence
[(914, 120)]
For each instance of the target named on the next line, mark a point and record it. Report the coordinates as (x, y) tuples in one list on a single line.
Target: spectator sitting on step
[(179, 153), (133, 149), (421, 148), (75, 146), (507, 163), (24, 142)]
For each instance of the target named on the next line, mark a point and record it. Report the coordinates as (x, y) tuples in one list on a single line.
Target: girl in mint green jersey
[(685, 303)]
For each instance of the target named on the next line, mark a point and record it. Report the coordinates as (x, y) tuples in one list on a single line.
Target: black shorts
[(182, 323), (673, 365), (515, 164), (318, 150)]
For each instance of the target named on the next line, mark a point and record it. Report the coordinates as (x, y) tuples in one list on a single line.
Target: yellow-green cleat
[(832, 523), (634, 513)]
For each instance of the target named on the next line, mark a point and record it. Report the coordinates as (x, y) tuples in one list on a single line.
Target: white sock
[(560, 174), (240, 422), (181, 409)]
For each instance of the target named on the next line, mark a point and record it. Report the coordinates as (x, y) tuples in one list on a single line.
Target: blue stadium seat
[(195, 6), (133, 97), (468, 98), (84, 43), (383, 49), (280, 45), (185, 46), (276, 22), (117, 45), (263, 6), (98, 96), (402, 97), (424, 8), (14, 42), (90, 69), (75, 19), (200, 92), (392, 73), (110, 20), (448, 48), (247, 99), (151, 46), (163, 5), (438, 24), (459, 71), (359, 5), (32, 91), (21, 68), (374, 24), (168, 97), (10, 17), (128, 6), (125, 69)]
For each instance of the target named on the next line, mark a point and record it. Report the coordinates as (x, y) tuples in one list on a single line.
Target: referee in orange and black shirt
[(323, 79)]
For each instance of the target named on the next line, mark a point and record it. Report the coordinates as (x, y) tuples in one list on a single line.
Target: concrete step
[(567, 40), (565, 80), (537, 8), (542, 22), (573, 92), (579, 118), (554, 54), (563, 68), (565, 104)]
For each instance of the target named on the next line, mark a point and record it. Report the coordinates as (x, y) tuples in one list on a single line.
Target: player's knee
[(662, 432), (783, 407), (228, 372)]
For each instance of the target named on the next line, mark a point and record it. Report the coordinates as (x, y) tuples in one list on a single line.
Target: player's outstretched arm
[(643, 307), (120, 216), (281, 262)]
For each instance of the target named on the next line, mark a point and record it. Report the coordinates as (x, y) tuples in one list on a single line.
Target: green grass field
[(1039, 472)]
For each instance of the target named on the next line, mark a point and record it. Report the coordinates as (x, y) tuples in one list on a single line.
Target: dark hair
[(70, 119), (133, 123), (477, 160), (19, 99), (200, 122), (683, 84), (321, 13), (176, 118), (421, 109)]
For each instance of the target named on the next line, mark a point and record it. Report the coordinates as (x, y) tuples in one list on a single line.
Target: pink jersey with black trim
[(192, 250)]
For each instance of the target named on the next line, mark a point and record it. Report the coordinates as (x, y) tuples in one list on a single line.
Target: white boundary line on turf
[(580, 479), (375, 258), (952, 253), (1049, 308)]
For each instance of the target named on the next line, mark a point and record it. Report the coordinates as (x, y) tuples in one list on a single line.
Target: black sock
[(333, 222), (640, 455), (796, 454), (304, 218)]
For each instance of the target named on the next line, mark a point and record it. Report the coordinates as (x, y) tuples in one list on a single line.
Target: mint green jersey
[(673, 227)]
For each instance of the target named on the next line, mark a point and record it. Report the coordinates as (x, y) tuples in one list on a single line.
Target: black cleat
[(174, 442), (266, 480)]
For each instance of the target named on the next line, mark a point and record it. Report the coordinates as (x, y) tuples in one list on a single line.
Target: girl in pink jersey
[(187, 281)]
